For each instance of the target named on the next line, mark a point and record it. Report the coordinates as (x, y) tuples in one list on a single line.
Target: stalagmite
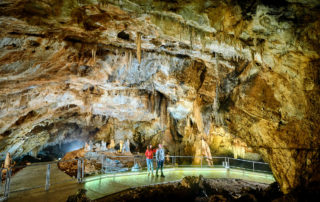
[(138, 42), (98, 147), (239, 148), (112, 144), (90, 146), (7, 161), (121, 145), (87, 147), (206, 152), (103, 146), (202, 150), (126, 147)]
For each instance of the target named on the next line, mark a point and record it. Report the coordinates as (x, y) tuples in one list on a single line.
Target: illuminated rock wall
[(236, 78)]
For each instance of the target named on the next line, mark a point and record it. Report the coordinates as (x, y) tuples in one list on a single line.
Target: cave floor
[(63, 185), (32, 179)]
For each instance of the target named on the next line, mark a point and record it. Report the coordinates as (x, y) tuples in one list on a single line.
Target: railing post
[(228, 163), (201, 161), (82, 170), (1, 169), (253, 166), (102, 163), (48, 178), (7, 183), (172, 160), (79, 171)]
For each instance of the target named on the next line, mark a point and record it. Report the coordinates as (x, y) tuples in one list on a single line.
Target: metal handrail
[(248, 161), (80, 174), (139, 156)]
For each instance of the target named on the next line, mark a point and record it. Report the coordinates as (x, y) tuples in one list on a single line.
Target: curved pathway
[(102, 185)]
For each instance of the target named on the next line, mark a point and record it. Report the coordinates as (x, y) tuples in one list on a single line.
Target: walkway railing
[(198, 161), (47, 174)]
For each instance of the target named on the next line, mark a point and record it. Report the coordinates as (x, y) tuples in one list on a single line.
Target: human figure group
[(159, 153)]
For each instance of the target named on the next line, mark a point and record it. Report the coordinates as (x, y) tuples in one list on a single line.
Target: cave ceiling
[(167, 71)]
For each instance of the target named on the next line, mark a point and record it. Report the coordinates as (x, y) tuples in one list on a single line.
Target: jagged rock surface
[(212, 70)]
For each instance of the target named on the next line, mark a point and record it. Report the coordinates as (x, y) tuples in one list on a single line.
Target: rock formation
[(126, 147), (8, 164), (87, 147), (7, 161), (193, 188), (103, 146), (111, 145), (97, 147), (165, 71)]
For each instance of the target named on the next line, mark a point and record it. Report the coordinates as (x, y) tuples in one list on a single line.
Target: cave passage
[(87, 87)]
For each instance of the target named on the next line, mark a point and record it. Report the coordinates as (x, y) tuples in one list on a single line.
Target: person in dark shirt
[(160, 159)]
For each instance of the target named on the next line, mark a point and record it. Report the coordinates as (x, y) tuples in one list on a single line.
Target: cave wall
[(242, 76)]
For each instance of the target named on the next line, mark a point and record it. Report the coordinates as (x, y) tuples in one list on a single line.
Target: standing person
[(160, 159), (149, 158)]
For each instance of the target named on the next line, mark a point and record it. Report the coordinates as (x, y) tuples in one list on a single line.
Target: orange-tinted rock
[(217, 71)]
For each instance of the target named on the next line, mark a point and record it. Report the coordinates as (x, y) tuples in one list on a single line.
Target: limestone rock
[(178, 72)]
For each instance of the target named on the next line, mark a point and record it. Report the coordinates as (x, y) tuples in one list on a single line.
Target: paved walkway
[(63, 185), (103, 185), (34, 176)]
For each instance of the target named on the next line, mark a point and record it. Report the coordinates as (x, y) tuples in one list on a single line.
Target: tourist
[(160, 159), (149, 158)]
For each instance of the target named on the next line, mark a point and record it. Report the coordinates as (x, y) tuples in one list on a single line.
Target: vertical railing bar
[(1, 178), (253, 166), (7, 183), (172, 160), (47, 186), (78, 170), (102, 163), (82, 170)]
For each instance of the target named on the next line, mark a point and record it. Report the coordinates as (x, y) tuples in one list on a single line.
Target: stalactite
[(191, 36), (255, 44), (180, 31), (130, 59), (203, 41), (126, 59), (216, 104), (7, 104), (239, 149), (93, 53), (139, 47), (163, 111)]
